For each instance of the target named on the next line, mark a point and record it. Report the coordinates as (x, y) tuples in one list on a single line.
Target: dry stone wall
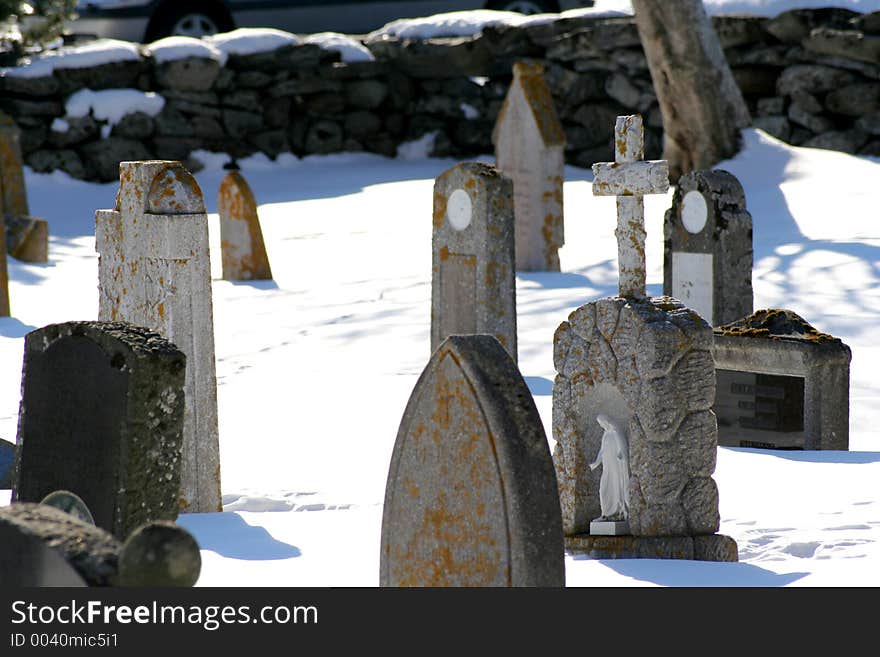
[(810, 77)]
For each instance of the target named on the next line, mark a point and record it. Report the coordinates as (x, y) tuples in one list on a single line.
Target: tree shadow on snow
[(14, 328), (676, 572), (815, 456), (230, 536)]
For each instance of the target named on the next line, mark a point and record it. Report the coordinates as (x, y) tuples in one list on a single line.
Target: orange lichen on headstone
[(241, 240)]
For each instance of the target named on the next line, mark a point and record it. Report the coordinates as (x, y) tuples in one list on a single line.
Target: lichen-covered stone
[(471, 497), (102, 416), (154, 271), (700, 502)]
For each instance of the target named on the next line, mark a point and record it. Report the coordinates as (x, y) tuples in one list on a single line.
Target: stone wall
[(810, 77)]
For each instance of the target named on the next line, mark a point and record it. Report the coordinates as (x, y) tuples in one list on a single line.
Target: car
[(148, 20)]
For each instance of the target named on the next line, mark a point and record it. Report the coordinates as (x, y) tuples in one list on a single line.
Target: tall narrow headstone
[(241, 240), (707, 254), (101, 416), (154, 271), (643, 366), (473, 287), (471, 497), (26, 238), (530, 149)]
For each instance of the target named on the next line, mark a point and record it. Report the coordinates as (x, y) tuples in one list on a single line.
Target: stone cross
[(241, 240), (154, 271), (471, 497), (473, 286), (629, 179), (101, 416), (707, 252), (530, 149)]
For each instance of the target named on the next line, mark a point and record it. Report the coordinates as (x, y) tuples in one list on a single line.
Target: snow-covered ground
[(315, 368)]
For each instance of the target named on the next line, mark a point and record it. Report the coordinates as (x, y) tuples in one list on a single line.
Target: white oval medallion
[(694, 212), (458, 209)]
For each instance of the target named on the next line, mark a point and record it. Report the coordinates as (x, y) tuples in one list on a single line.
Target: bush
[(31, 26)]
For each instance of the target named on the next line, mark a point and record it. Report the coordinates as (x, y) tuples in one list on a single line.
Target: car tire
[(525, 6), (189, 18)]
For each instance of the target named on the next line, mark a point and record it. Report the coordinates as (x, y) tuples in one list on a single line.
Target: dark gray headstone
[(7, 461), (44, 546), (707, 255), (70, 503), (781, 384), (102, 416), (471, 497), (159, 554), (473, 287)]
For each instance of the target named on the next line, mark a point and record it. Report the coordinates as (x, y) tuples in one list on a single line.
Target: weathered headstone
[(707, 255), (530, 150), (26, 238), (645, 364), (70, 503), (7, 461), (781, 384), (471, 497), (41, 545), (241, 240), (473, 287), (154, 271), (102, 416), (159, 554), (44, 546)]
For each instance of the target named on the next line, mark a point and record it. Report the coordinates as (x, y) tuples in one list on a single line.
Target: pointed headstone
[(102, 416), (241, 239), (530, 150), (154, 271), (26, 238), (473, 287), (471, 496), (707, 254)]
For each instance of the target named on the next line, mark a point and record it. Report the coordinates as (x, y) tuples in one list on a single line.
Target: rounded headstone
[(694, 212), (70, 503), (160, 554), (459, 209)]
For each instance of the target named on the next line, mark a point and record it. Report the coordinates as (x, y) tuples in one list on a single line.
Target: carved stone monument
[(241, 240), (26, 238), (707, 255), (781, 383), (646, 364), (530, 150), (102, 416), (471, 498), (154, 271), (473, 287)]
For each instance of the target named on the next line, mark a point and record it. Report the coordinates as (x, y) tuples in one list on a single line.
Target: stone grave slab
[(643, 367), (707, 254), (473, 286), (102, 416), (471, 497), (530, 150), (241, 239), (154, 271), (782, 384)]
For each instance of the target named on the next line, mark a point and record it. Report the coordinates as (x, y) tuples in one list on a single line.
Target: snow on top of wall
[(252, 40), (94, 53), (181, 47), (768, 8), (350, 49), (452, 24), (112, 104)]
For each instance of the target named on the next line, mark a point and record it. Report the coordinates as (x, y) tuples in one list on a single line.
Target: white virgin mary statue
[(614, 457)]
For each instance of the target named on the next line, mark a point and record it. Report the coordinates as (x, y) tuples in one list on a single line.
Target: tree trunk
[(703, 108)]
